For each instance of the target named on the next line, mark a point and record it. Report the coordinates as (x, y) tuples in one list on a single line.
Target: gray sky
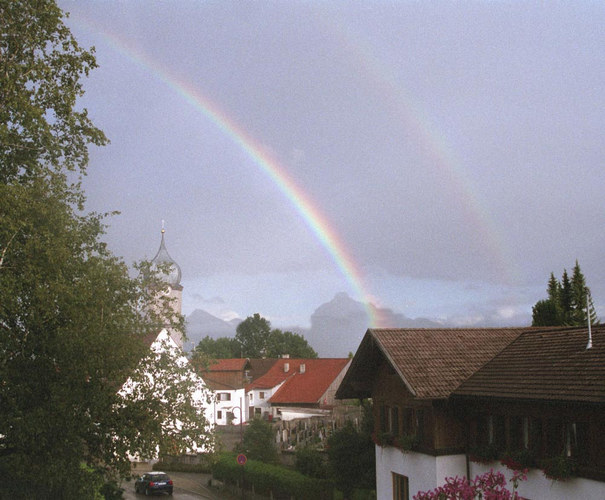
[(447, 156)]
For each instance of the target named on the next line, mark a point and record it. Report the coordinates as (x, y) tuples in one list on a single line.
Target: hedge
[(266, 479)]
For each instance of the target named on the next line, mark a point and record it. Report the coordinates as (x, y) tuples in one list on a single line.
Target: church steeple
[(171, 275)]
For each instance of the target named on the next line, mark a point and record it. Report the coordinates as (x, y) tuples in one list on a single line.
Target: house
[(297, 388), (542, 397), (227, 378), (436, 399)]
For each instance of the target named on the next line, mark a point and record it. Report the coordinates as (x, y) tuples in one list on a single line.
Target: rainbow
[(261, 157), (429, 138)]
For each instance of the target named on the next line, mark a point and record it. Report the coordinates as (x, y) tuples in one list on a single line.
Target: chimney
[(302, 368), (285, 356), (286, 367)]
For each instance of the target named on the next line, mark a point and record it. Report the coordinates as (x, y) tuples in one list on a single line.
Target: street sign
[(241, 459)]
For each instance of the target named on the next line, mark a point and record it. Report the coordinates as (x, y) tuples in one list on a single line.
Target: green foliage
[(311, 462), (558, 468), (569, 302), (256, 339), (72, 320), (259, 441), (519, 459), (351, 459), (41, 134), (266, 478), (221, 348)]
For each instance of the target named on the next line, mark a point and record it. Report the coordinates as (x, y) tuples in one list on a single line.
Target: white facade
[(426, 472), (230, 406), (423, 472), (165, 344), (259, 399), (538, 487)]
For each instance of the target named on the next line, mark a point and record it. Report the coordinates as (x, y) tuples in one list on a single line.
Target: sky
[(436, 159)]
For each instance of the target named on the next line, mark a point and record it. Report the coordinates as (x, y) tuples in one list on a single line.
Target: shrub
[(259, 441), (518, 459), (311, 462), (558, 468), (267, 478), (490, 485)]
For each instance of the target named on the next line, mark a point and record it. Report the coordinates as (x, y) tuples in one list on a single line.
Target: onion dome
[(172, 274)]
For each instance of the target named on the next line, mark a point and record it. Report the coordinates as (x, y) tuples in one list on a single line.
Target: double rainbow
[(260, 156)]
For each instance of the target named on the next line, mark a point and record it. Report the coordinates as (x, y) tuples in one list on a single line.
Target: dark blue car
[(151, 483)]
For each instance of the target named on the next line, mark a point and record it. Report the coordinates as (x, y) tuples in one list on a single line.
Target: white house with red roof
[(297, 388), (227, 378)]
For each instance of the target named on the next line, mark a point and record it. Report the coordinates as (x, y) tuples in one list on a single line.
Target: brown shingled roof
[(431, 362), (549, 364)]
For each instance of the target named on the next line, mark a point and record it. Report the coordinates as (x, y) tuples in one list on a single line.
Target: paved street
[(187, 486)]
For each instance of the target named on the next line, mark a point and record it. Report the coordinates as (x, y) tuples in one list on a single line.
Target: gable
[(431, 363)]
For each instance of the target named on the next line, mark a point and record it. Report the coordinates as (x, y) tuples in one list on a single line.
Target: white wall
[(538, 487), (424, 472), (238, 400)]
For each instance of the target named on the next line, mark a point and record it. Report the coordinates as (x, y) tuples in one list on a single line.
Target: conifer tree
[(569, 302)]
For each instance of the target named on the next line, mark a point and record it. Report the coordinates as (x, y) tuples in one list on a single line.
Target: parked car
[(153, 482)]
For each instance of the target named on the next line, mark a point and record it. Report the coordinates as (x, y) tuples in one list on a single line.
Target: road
[(187, 486)]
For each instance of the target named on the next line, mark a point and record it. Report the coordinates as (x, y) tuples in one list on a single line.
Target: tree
[(72, 320), (42, 135), (259, 442), (221, 348), (546, 313), (351, 455), (258, 340), (569, 302), (253, 336)]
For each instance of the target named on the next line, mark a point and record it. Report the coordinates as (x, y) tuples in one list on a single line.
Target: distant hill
[(337, 326), (200, 324)]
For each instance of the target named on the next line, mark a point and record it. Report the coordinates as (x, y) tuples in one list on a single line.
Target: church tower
[(172, 277)]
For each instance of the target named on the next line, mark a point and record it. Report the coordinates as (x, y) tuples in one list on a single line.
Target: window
[(408, 421), (419, 424), (384, 418), (401, 487), (535, 435), (518, 438), (224, 396), (219, 415), (394, 421), (576, 439), (261, 395), (251, 397)]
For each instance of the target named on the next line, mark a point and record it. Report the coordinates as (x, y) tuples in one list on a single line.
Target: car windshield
[(159, 477)]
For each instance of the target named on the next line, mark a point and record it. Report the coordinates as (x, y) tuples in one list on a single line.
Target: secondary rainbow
[(312, 216), (429, 137)]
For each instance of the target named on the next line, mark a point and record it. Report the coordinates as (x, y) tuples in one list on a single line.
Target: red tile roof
[(309, 387), (549, 364), (276, 374), (431, 362)]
